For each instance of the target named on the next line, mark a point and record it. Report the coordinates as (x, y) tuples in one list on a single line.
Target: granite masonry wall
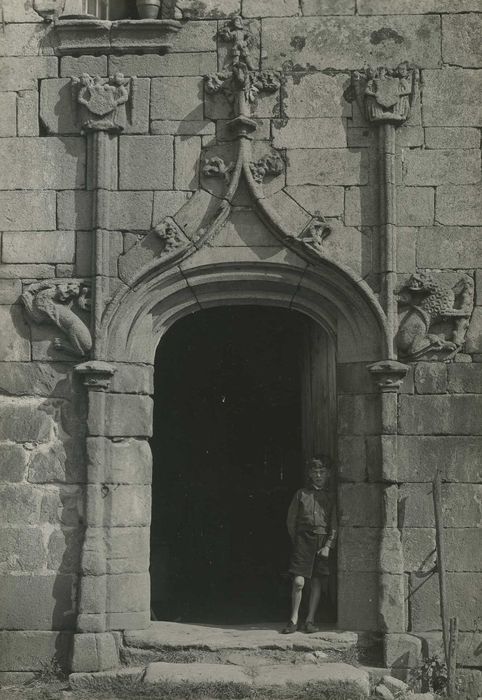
[(331, 169)]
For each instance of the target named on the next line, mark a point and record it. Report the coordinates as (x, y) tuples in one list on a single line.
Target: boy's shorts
[(304, 558)]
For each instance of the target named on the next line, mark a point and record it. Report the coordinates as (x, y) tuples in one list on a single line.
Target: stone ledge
[(98, 37)]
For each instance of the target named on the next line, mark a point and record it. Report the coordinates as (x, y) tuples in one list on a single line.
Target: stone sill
[(94, 37)]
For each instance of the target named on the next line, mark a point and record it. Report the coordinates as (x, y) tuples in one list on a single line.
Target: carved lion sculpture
[(432, 302), (48, 301)]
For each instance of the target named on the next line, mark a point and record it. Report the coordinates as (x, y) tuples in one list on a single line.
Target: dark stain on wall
[(298, 42), (386, 34)]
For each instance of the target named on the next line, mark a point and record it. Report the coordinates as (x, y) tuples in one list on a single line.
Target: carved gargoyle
[(386, 95), (432, 303), (53, 302), (102, 101)]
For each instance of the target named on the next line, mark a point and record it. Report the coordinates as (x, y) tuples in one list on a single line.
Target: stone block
[(210, 8), (129, 621), (361, 206), (13, 12), (122, 415), (58, 112), (419, 554), (54, 163), (132, 379), (358, 612), (461, 39), (128, 592), (451, 137), (316, 95), (131, 211), (23, 72), (172, 64), (31, 651), (473, 341), (461, 505), (190, 128), (415, 206), (275, 8), (74, 210), (441, 415), (349, 246), (319, 200), (430, 378), (27, 211), (94, 652), (358, 549), (29, 378), (358, 414), (326, 167), (440, 167), (340, 41), (8, 114), (456, 457), (459, 205), (468, 651), (74, 66), (177, 98), (462, 595), (402, 651), (294, 217), (327, 7), (305, 133), (351, 458), (28, 113), (27, 271), (62, 504), (14, 340), (463, 86), (187, 154), (47, 602), (45, 246), (126, 461), (64, 550), (360, 505), (25, 420), (168, 203), (145, 162), (413, 7), (465, 378), (21, 549), (448, 247), (198, 37), (13, 462), (25, 40), (138, 108), (244, 229), (128, 550)]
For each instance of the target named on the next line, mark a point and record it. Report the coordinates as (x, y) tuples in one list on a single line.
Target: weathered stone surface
[(359, 547), (23, 72), (351, 458), (25, 40), (359, 415), (129, 620), (29, 651), (138, 111), (173, 64), (189, 128), (326, 167), (177, 98), (244, 228), (44, 246), (473, 341), (402, 650), (128, 550), (439, 167), (328, 7), (461, 505), (448, 246), (145, 162), (27, 271), (465, 379), (24, 420), (101, 681), (209, 8), (168, 204), (360, 505), (13, 12), (123, 461), (275, 8), (431, 378), (305, 133), (294, 217), (47, 602), (468, 650), (62, 504), (127, 592), (27, 211), (316, 95), (463, 108), (451, 137), (358, 612), (361, 206), (14, 339), (456, 457), (64, 548), (28, 113), (13, 462), (131, 211), (125, 415), (459, 205), (21, 549), (197, 37), (74, 210), (93, 653), (54, 163), (413, 7), (462, 595), (319, 200), (327, 42), (463, 549), (461, 39), (58, 112), (415, 206), (74, 66), (8, 114), (441, 415), (187, 154), (40, 379)]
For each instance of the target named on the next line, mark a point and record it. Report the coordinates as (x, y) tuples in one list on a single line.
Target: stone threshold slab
[(175, 635)]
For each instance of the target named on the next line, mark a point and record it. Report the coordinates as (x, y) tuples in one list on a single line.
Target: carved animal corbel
[(216, 167), (53, 302), (172, 236), (269, 165), (431, 303)]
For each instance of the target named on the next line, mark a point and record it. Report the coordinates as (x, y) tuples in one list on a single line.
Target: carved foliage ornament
[(56, 302), (436, 318), (386, 95), (102, 101)]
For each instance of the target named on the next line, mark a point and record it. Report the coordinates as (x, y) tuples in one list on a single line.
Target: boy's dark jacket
[(313, 510)]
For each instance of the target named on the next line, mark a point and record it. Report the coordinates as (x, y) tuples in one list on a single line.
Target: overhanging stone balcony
[(82, 36)]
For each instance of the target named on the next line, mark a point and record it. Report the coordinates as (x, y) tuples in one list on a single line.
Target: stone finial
[(102, 101), (96, 374), (436, 317), (388, 374), (386, 95), (53, 302)]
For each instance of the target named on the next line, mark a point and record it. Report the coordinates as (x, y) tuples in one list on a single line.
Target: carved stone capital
[(388, 374), (384, 95), (101, 102), (96, 374)]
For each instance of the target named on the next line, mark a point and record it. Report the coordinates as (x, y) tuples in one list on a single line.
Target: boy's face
[(318, 476)]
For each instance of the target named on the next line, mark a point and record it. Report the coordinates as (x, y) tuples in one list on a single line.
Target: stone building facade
[(238, 152)]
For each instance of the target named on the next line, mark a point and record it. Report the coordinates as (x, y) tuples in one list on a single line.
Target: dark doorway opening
[(227, 455)]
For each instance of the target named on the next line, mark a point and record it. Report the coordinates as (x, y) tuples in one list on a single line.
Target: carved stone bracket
[(101, 101), (55, 302), (174, 239), (267, 166), (388, 374), (216, 167), (386, 95), (96, 374)]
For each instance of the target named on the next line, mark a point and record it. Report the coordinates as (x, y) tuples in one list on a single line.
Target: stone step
[(231, 681)]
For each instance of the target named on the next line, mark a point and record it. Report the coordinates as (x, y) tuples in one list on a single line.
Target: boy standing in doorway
[(312, 528)]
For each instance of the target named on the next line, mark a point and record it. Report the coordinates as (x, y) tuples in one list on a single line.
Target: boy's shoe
[(310, 628), (290, 628)]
